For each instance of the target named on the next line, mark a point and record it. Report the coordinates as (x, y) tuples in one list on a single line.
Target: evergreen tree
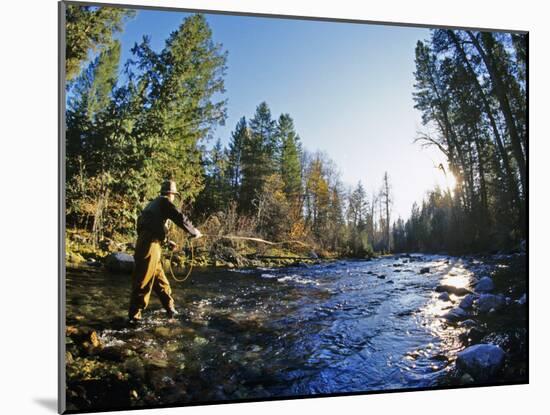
[(88, 29), (122, 141), (471, 89), (234, 167), (180, 85), (91, 145), (357, 215), (214, 196), (289, 157), (357, 207), (258, 157)]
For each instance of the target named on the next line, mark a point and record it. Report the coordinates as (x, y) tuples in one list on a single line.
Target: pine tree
[(357, 206), (258, 157), (181, 84), (93, 148), (88, 29), (214, 197), (289, 157), (471, 88), (122, 141), (234, 166)]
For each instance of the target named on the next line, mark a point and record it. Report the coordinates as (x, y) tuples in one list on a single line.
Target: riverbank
[(116, 255)]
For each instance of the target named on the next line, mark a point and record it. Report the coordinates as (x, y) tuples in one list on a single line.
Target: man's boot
[(135, 317), (171, 312)]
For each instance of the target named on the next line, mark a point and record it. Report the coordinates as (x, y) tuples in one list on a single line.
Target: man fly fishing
[(148, 273)]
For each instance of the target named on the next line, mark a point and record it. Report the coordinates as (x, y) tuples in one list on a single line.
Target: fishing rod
[(232, 237), (249, 238)]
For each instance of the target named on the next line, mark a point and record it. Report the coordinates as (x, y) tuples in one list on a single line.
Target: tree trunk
[(510, 177), (500, 91), (448, 132)]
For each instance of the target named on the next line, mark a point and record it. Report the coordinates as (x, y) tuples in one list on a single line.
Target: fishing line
[(190, 244), (233, 237)]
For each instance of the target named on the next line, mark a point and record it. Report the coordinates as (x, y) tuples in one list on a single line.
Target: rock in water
[(452, 289), (485, 285), (120, 262), (444, 296), (467, 302), (487, 302), (425, 270), (456, 314), (481, 361)]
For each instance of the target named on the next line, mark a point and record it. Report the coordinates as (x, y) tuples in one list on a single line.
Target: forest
[(130, 125)]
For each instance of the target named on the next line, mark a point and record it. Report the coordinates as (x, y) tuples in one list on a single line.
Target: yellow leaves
[(298, 230), (317, 185)]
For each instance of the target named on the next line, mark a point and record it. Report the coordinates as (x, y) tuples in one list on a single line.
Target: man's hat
[(169, 186)]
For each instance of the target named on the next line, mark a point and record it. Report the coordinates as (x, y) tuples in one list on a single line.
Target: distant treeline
[(130, 127), (471, 89)]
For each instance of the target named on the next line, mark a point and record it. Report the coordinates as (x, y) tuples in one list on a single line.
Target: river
[(334, 327)]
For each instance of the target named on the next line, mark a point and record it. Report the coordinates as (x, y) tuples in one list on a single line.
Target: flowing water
[(335, 327)]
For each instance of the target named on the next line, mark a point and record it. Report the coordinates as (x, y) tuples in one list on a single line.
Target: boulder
[(444, 296), (456, 314), (488, 302), (482, 361), (227, 255), (425, 270), (485, 285), (467, 302), (452, 290), (120, 262)]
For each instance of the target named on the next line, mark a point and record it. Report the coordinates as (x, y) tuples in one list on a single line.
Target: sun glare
[(451, 181)]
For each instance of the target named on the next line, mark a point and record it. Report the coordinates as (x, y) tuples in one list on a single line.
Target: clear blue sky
[(347, 86)]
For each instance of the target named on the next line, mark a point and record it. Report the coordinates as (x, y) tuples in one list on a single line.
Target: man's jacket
[(153, 219)]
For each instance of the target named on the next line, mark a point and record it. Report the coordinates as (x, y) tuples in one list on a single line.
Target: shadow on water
[(339, 327)]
